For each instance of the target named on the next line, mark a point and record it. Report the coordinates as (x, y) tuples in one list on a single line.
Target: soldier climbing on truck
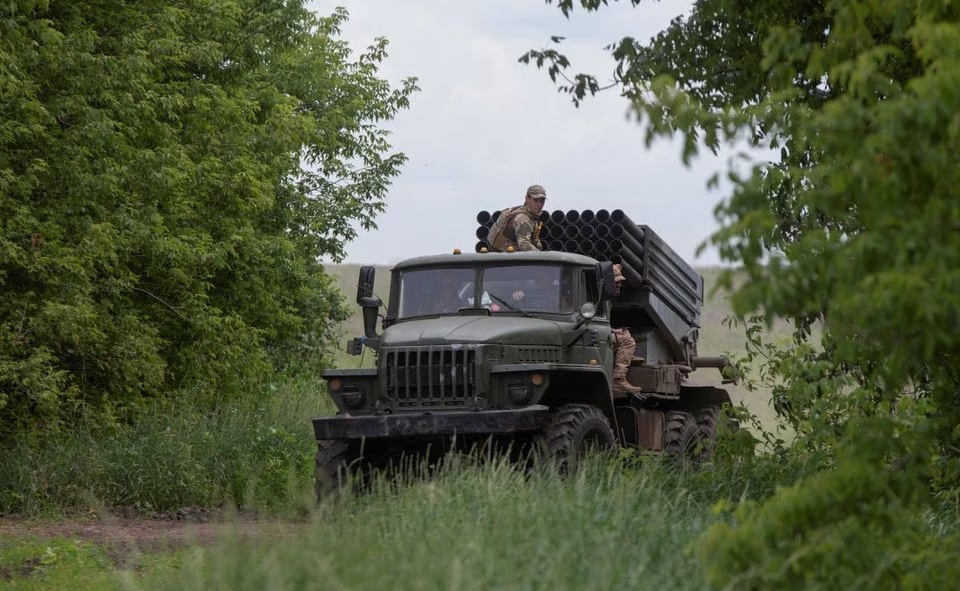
[(518, 228), (539, 375), (625, 347)]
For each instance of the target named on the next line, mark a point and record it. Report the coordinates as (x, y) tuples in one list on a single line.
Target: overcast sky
[(485, 126)]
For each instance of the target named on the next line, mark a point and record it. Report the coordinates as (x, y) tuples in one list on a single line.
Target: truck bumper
[(531, 418)]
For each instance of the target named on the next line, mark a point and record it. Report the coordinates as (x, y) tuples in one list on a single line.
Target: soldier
[(625, 347), (526, 226), (448, 296), (546, 289), (521, 229)]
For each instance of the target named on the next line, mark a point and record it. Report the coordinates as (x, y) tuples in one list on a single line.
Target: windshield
[(531, 288), (510, 288), (428, 292)]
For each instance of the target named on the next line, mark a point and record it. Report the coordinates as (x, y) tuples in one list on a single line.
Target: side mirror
[(365, 283), (608, 287), (369, 303)]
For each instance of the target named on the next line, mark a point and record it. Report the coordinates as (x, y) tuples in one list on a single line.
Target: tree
[(854, 225), (170, 173)]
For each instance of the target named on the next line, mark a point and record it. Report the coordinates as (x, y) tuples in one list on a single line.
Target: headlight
[(519, 392), (352, 396)]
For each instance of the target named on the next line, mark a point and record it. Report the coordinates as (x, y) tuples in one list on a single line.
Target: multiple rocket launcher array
[(603, 235), (660, 284)]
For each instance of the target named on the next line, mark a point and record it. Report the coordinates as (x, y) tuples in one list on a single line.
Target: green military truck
[(516, 347)]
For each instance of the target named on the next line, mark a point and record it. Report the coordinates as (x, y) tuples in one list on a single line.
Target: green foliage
[(253, 452), (881, 268), (169, 175), (58, 563), (857, 525), (851, 228), (800, 538)]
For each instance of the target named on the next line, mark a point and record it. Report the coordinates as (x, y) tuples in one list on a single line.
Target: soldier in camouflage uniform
[(523, 232), (625, 347)]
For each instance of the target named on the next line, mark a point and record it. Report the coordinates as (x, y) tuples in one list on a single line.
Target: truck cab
[(479, 332)]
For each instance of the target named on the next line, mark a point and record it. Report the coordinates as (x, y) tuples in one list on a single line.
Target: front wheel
[(573, 431), (338, 462)]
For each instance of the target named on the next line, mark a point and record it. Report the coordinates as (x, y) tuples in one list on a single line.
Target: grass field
[(473, 525)]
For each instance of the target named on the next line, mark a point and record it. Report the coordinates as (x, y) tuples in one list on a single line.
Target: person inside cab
[(537, 288)]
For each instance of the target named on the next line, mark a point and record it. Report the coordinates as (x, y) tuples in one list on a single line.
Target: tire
[(573, 431), (707, 419), (356, 464), (710, 420), (680, 434), (337, 462)]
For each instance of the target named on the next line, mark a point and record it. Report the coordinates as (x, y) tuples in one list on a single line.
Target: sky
[(485, 126)]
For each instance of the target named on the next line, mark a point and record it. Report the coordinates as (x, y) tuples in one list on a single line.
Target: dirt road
[(125, 534)]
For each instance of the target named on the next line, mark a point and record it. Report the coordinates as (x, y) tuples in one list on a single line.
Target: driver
[(448, 296), (541, 287)]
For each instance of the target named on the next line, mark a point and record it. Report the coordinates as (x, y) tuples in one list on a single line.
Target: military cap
[(536, 191)]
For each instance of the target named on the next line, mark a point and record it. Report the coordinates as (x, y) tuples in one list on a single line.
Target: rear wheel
[(680, 433), (707, 418), (573, 431), (710, 420)]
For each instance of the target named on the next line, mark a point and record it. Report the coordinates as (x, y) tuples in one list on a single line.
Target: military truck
[(516, 347)]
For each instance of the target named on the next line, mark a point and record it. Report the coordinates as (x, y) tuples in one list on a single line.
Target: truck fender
[(693, 397), (581, 387)]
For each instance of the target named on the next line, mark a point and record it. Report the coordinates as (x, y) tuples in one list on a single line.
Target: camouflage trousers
[(625, 348)]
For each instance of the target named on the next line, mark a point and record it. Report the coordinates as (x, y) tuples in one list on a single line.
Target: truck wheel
[(708, 418), (337, 461), (574, 430), (680, 433)]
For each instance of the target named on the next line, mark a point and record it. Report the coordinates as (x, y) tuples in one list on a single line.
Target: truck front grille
[(431, 376)]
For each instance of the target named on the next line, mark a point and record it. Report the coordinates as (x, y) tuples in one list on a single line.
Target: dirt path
[(124, 536)]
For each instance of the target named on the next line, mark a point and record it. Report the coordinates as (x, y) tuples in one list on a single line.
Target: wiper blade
[(509, 306)]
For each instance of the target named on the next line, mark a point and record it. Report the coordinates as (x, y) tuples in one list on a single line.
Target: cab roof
[(496, 258)]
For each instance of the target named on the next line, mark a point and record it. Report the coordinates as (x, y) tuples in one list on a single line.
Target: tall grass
[(249, 452), (480, 526)]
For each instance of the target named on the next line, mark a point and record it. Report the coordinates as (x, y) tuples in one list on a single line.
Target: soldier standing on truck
[(519, 227), (625, 347)]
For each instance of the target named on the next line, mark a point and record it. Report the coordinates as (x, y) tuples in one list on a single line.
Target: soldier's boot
[(620, 384)]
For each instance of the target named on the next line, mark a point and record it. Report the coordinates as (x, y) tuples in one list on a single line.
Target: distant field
[(715, 338)]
